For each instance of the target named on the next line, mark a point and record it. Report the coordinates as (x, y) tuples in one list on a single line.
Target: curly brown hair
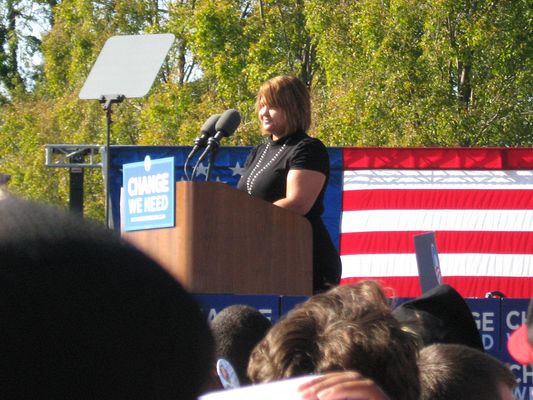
[(350, 327)]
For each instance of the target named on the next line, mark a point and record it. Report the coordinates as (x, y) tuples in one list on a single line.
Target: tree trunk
[(11, 78), (464, 89)]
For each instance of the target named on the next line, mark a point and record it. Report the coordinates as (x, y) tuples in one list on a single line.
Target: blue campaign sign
[(289, 302), (148, 200), (523, 374), (487, 314), (514, 314), (212, 304)]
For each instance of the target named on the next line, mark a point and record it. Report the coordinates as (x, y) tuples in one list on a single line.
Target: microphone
[(207, 130), (225, 127)]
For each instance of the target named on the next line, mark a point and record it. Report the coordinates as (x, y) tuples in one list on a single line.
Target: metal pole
[(76, 187)]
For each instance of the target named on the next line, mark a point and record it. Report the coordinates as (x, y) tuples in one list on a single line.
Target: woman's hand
[(303, 188), (345, 385)]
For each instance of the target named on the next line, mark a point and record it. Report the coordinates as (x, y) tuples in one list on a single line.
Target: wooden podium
[(226, 241)]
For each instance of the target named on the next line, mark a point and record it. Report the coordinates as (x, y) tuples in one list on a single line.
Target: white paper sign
[(285, 389)]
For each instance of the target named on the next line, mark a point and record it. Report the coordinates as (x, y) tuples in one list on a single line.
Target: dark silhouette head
[(86, 316), (237, 329)]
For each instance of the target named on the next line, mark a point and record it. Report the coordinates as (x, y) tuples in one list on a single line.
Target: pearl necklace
[(253, 175)]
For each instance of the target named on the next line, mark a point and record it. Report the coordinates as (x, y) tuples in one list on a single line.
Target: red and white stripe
[(482, 217)]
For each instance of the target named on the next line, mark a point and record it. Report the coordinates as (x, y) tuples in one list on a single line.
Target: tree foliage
[(381, 73), (417, 73)]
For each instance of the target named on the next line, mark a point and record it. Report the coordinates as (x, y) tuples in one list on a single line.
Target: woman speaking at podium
[(291, 169)]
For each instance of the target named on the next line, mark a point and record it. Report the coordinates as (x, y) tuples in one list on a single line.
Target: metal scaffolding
[(76, 157)]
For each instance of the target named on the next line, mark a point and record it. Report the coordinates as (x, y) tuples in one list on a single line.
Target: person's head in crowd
[(4, 179), (441, 315), (350, 327), (291, 98), (87, 316), (520, 343), (458, 372), (237, 329)]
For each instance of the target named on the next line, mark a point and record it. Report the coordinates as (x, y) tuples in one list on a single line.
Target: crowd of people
[(85, 315), (360, 347)]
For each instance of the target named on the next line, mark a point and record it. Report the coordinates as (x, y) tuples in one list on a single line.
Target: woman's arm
[(303, 188)]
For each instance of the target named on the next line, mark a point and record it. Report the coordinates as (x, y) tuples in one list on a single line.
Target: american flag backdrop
[(479, 203)]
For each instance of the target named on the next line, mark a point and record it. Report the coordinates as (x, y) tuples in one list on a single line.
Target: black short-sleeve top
[(267, 166)]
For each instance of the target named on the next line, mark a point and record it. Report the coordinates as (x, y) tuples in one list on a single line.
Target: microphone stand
[(213, 144), (198, 144), (210, 163), (200, 159), (212, 149)]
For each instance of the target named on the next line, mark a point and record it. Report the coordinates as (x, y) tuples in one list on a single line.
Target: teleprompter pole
[(126, 67), (107, 102)]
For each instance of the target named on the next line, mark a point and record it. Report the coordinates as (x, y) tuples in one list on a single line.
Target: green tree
[(407, 72), (240, 44), (19, 46), (381, 73)]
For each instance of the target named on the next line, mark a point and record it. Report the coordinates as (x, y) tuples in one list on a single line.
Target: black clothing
[(443, 316), (265, 176)]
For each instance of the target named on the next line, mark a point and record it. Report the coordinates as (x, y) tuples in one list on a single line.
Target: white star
[(218, 180), (202, 170), (237, 170)]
